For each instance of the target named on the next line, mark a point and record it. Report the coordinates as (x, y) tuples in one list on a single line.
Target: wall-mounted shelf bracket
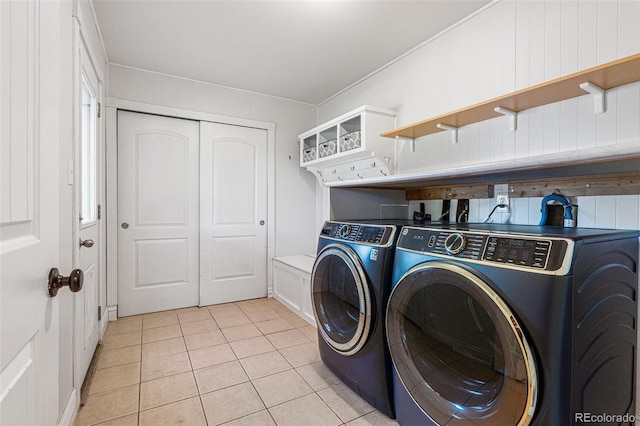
[(412, 142), (598, 96), (453, 129), (513, 117)]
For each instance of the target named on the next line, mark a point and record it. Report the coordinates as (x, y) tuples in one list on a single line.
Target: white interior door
[(233, 210), (157, 213), (87, 255), (29, 215)]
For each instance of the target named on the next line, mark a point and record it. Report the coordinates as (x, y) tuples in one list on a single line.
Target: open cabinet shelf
[(350, 147), (606, 76)]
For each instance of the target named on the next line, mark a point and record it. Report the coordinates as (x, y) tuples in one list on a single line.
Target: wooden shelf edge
[(606, 76)]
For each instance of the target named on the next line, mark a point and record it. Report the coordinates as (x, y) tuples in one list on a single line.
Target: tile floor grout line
[(140, 378), (204, 412)]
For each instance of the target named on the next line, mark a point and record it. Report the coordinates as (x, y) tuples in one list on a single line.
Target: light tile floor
[(247, 363)]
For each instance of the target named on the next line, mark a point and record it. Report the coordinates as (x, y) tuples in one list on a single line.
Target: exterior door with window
[(87, 250)]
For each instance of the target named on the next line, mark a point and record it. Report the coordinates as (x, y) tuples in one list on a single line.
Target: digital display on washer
[(371, 234), (518, 251)]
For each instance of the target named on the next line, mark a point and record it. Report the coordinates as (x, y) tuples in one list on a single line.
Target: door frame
[(111, 141), (84, 52)]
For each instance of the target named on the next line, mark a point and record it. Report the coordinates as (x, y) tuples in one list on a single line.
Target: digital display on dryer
[(516, 243), (518, 251)]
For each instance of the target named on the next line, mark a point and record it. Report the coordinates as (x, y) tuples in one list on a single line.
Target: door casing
[(88, 327)]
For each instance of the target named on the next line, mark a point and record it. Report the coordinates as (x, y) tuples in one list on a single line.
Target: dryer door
[(341, 299), (458, 349)]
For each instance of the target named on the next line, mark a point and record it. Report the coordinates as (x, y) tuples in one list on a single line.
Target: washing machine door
[(341, 299), (458, 349)]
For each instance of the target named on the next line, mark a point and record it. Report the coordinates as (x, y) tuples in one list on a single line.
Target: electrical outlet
[(502, 199)]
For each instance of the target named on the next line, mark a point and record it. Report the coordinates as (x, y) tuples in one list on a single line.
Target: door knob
[(57, 281), (124, 225), (86, 243), (261, 222)]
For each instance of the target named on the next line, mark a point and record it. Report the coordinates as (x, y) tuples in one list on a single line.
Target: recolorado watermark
[(605, 418)]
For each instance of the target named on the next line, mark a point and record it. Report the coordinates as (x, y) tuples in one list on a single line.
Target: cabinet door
[(287, 286)]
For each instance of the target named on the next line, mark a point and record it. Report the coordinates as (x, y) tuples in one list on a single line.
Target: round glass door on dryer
[(341, 299), (458, 350)]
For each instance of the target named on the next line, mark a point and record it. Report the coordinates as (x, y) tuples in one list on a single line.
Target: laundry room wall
[(507, 46), (294, 187)]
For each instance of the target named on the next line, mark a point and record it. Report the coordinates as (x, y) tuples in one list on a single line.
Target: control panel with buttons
[(527, 252), (359, 233)]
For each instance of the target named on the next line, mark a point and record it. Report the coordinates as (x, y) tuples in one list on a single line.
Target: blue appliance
[(493, 324), (350, 286)]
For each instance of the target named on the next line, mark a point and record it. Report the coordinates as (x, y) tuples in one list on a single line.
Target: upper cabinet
[(350, 146)]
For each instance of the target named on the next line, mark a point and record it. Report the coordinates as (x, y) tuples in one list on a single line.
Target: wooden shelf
[(606, 76)]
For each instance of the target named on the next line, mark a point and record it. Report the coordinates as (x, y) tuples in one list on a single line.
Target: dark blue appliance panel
[(572, 294), (350, 284)]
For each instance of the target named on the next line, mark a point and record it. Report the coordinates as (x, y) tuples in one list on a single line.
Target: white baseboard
[(104, 322), (70, 410), (112, 312)]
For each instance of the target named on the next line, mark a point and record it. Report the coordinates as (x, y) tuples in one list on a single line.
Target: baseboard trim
[(112, 312), (70, 410)]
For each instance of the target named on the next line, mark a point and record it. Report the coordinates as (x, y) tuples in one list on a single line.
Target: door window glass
[(88, 153)]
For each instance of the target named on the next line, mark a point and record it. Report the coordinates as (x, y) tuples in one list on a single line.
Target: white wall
[(508, 46), (295, 231)]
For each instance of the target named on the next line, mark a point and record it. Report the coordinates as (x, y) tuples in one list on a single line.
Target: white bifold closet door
[(158, 213), (192, 213), (233, 213)]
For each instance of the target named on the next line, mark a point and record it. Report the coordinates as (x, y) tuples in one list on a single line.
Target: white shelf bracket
[(454, 131), (513, 117), (598, 96), (412, 142)]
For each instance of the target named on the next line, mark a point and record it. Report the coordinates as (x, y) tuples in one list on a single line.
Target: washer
[(514, 325), (350, 286)]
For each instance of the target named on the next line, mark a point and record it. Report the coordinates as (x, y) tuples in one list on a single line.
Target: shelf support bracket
[(412, 142), (454, 131), (513, 117), (598, 96)]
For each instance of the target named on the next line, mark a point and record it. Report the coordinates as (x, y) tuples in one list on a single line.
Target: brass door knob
[(86, 243), (57, 281)]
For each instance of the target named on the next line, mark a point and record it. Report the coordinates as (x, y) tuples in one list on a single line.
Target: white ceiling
[(301, 50)]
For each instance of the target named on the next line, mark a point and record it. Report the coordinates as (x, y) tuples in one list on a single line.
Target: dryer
[(513, 325), (350, 286)]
